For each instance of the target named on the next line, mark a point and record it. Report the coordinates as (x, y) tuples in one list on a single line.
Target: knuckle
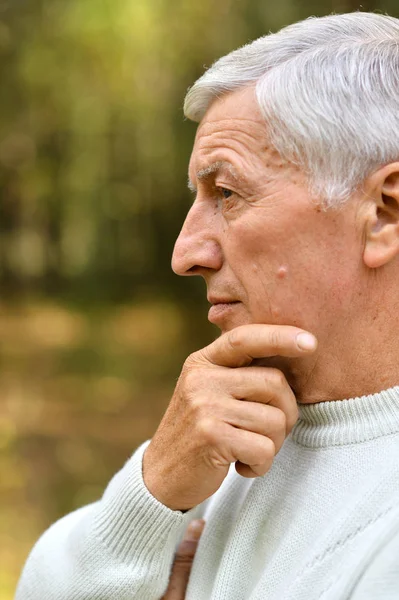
[(197, 406), (265, 453), (280, 420), (277, 378), (275, 339), (206, 430), (182, 563), (292, 419), (189, 362), (194, 378), (235, 338), (186, 552), (267, 450), (193, 360)]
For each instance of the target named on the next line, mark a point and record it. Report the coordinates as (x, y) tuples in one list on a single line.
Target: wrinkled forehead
[(237, 110), (241, 104), (237, 147), (233, 124)]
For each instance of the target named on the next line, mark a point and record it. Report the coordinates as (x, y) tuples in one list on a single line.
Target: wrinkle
[(237, 145)]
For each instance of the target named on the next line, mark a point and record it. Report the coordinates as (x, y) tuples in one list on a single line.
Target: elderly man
[(295, 229)]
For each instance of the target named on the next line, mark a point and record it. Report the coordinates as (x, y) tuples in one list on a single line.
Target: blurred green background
[(94, 150)]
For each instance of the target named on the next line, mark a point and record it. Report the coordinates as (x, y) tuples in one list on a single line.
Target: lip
[(220, 300), (221, 310)]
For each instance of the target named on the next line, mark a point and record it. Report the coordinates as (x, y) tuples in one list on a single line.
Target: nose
[(197, 249)]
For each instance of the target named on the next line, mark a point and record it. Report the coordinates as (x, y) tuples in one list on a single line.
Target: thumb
[(183, 561)]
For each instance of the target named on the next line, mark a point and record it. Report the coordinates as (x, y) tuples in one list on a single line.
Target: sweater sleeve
[(121, 547)]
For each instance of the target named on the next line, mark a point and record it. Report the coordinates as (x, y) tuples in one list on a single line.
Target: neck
[(349, 372), (334, 378), (350, 367)]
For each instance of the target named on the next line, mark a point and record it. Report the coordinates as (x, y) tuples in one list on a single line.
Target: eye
[(226, 193)]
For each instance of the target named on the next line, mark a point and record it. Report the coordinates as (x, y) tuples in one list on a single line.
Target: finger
[(263, 385), (252, 416), (183, 561), (247, 472), (241, 345), (252, 449)]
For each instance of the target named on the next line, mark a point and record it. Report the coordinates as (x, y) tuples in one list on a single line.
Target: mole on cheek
[(282, 272)]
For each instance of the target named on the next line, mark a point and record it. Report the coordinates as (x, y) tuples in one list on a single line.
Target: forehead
[(231, 130), (240, 104)]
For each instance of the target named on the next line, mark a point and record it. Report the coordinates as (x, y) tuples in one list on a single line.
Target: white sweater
[(322, 524)]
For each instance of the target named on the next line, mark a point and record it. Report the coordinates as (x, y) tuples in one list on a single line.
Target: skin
[(277, 267), (270, 246), (183, 562)]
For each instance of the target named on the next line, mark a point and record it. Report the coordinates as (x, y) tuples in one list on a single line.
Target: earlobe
[(380, 252), (382, 228)]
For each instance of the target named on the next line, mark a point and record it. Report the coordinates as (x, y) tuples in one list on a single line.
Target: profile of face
[(266, 250)]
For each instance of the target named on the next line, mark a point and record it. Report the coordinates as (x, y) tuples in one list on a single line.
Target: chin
[(228, 326)]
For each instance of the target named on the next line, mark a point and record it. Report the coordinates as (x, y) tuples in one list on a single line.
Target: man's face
[(266, 250)]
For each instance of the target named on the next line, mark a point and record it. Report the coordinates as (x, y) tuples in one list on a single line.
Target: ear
[(382, 229)]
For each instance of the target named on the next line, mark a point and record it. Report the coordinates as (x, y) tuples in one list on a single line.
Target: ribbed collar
[(349, 421)]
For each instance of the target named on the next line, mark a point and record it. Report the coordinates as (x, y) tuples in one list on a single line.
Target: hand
[(223, 411), (183, 562)]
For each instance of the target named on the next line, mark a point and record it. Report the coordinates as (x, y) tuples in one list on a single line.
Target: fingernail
[(194, 530), (306, 341)]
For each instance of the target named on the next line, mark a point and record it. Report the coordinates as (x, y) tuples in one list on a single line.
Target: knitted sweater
[(322, 524)]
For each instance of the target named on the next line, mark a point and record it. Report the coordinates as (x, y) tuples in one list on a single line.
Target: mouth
[(221, 310)]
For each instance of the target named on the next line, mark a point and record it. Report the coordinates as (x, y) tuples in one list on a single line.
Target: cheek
[(260, 263), (318, 291), (250, 245), (289, 276), (289, 292)]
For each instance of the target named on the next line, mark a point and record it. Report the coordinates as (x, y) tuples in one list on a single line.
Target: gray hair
[(329, 91)]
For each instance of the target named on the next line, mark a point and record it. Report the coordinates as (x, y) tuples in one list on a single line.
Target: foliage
[(93, 167)]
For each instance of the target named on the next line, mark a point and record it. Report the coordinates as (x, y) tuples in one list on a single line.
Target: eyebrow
[(210, 170)]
